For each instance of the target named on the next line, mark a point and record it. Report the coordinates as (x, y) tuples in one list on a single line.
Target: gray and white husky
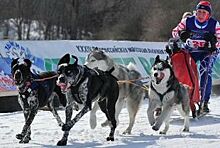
[(165, 91), (131, 94)]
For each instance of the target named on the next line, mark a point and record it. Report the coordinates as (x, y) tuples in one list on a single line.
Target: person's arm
[(180, 27)]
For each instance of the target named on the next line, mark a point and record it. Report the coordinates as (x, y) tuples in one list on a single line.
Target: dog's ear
[(95, 49), (65, 59), (167, 59), (157, 59), (27, 62), (15, 61), (76, 60)]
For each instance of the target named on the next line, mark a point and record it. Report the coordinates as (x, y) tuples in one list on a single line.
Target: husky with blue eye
[(165, 91)]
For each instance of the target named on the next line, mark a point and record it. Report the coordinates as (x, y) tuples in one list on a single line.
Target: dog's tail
[(133, 71), (62, 97), (132, 66)]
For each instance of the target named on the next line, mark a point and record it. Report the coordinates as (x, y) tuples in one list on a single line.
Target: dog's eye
[(92, 60), (68, 71)]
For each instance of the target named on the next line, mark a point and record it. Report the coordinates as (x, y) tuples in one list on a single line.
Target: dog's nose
[(155, 74), (17, 75)]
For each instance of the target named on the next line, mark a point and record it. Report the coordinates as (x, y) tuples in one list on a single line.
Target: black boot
[(194, 113), (205, 108)]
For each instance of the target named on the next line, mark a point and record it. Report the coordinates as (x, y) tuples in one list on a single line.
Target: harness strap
[(159, 94), (44, 79)]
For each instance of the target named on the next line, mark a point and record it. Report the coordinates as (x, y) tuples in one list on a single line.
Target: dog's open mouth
[(63, 86), (159, 78), (17, 82)]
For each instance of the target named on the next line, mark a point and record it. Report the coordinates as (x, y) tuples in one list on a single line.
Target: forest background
[(135, 20)]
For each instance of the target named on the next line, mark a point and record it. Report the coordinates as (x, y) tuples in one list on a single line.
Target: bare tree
[(94, 19)]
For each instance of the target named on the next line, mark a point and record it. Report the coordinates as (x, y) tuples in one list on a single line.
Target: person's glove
[(172, 47), (175, 47), (184, 35), (213, 49), (211, 38), (167, 49)]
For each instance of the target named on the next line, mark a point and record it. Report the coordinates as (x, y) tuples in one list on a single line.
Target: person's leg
[(206, 81)]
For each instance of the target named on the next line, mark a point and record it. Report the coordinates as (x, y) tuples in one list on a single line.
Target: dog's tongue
[(160, 77), (62, 86)]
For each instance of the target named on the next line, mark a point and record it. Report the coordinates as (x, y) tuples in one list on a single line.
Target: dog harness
[(27, 88), (171, 88), (31, 86), (85, 73)]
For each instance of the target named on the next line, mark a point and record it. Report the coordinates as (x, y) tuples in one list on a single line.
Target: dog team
[(96, 84)]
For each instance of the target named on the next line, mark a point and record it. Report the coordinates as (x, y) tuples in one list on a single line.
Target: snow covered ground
[(204, 132)]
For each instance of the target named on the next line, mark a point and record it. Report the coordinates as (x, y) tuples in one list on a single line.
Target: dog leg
[(184, 111), (108, 107), (92, 120), (102, 105), (118, 108), (186, 124), (164, 114), (21, 136), (68, 112), (53, 110), (132, 108), (28, 122), (150, 111), (67, 126), (30, 112), (111, 113), (167, 123)]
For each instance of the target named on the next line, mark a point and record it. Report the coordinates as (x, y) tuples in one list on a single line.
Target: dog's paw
[(162, 132), (62, 142), (155, 128), (110, 138), (152, 123), (26, 139), (19, 136), (127, 131), (185, 130)]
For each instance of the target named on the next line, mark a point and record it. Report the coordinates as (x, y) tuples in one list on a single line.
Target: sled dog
[(82, 86), (131, 94), (34, 94), (165, 91)]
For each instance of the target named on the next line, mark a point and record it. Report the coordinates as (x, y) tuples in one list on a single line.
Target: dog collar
[(79, 76)]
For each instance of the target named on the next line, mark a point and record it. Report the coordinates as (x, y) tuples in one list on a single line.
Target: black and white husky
[(165, 91), (83, 86), (34, 94), (131, 94)]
